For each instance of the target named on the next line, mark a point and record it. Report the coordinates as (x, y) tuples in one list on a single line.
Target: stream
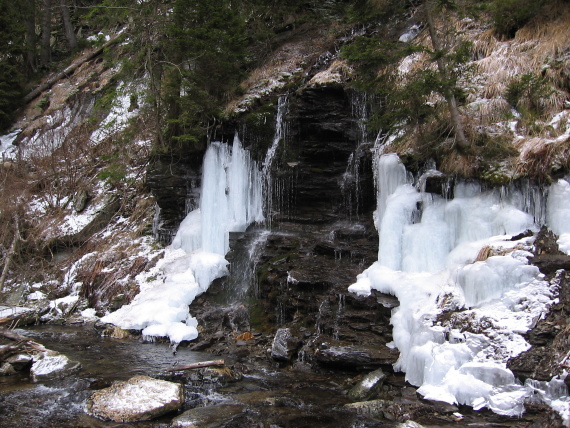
[(60, 403), (263, 395)]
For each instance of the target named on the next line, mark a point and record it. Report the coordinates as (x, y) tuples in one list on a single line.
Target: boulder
[(53, 366), (141, 398), (20, 361), (7, 369)]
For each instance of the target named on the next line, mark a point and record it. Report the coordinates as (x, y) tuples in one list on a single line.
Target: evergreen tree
[(12, 63)]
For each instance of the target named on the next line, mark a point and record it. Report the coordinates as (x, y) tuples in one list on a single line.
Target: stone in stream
[(352, 356), (141, 398), (207, 417), (53, 366), (284, 345), (367, 386)]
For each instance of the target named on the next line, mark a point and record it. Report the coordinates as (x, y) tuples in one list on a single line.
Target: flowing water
[(60, 403)]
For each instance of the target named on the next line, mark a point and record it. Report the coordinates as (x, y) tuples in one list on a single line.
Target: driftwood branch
[(68, 70), (198, 365), (22, 344)]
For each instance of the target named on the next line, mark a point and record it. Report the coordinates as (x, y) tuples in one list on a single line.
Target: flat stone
[(53, 367), (353, 356), (141, 398), (368, 385), (207, 417)]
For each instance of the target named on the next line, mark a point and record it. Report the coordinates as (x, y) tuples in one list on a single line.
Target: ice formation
[(437, 254), (231, 200), (558, 213)]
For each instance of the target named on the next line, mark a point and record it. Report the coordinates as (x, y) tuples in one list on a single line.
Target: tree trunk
[(67, 25), (30, 44), (461, 141), (45, 50), (11, 251)]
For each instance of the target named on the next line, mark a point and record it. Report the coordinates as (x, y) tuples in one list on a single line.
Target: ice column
[(231, 195)]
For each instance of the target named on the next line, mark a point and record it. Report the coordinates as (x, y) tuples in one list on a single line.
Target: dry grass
[(484, 253), (487, 111), (299, 53), (462, 165), (540, 157)]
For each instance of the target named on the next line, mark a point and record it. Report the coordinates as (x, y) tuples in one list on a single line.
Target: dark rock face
[(322, 236), (355, 357), (312, 169), (175, 184), (550, 340)]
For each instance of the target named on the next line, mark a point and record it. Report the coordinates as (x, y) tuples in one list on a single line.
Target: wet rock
[(7, 369), (20, 361), (52, 366), (355, 357), (220, 375), (208, 417), (80, 200), (141, 398), (550, 340), (550, 263), (284, 346), (367, 386), (370, 408)]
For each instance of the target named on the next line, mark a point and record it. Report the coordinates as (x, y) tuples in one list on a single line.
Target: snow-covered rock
[(53, 367), (141, 398)]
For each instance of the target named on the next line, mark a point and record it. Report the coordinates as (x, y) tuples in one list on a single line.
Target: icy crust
[(161, 308), (462, 360), (559, 213), (466, 290)]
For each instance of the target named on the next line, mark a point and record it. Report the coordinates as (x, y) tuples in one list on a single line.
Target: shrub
[(528, 93), (510, 15)]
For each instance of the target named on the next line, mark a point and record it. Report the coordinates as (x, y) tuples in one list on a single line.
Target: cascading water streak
[(266, 170)]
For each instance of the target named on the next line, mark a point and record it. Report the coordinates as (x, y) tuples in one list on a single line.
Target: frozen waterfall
[(457, 255), (231, 200)]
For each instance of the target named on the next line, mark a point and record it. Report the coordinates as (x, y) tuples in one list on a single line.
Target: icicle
[(390, 173), (231, 195)]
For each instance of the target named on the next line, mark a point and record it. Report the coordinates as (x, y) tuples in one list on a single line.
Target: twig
[(198, 365)]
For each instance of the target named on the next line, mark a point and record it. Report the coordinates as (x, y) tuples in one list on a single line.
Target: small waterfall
[(242, 282), (350, 185), (267, 177)]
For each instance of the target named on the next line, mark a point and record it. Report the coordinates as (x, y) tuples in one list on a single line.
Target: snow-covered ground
[(458, 257)]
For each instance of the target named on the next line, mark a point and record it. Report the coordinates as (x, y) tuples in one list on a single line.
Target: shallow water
[(60, 403)]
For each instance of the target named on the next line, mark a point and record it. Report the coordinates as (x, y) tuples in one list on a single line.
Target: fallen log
[(68, 70), (198, 365)]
